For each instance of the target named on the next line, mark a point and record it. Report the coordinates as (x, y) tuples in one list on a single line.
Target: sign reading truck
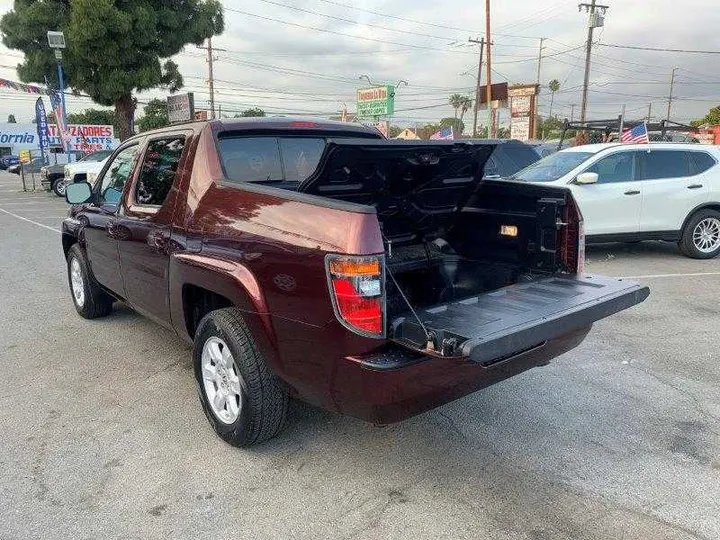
[(375, 101)]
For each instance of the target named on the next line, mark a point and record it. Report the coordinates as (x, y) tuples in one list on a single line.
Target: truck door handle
[(695, 186), (632, 192), (158, 240)]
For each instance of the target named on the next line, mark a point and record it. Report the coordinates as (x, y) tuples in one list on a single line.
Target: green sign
[(375, 101)]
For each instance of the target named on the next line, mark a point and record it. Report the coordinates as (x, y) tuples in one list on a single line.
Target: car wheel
[(90, 300), (58, 187), (243, 400), (701, 236)]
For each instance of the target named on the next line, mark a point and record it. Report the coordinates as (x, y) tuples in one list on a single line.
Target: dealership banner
[(20, 87), (42, 128), (56, 102)]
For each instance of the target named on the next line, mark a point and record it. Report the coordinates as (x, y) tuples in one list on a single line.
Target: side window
[(700, 162), (619, 167), (117, 173), (251, 159), (158, 170), (664, 164)]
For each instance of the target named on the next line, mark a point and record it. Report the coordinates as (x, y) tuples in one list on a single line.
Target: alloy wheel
[(706, 235), (76, 282), (221, 380)]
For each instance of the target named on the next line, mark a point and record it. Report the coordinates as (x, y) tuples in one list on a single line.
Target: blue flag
[(42, 128)]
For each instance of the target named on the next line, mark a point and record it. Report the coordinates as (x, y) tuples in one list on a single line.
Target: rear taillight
[(357, 289), (572, 244)]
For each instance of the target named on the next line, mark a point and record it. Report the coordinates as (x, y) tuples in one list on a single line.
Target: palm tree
[(554, 86), (456, 102), (465, 106)]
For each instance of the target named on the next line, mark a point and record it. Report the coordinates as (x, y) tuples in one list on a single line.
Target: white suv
[(629, 192)]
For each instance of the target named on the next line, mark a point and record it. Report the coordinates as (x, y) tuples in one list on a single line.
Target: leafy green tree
[(457, 124), (155, 115), (11, 119), (550, 127), (465, 105), (456, 102), (712, 118), (114, 48), (394, 131), (249, 113), (97, 117)]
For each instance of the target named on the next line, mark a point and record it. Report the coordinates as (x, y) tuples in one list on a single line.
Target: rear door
[(674, 182), (143, 226), (613, 204)]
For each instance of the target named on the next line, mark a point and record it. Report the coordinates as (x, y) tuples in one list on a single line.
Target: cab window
[(619, 167), (117, 174), (157, 173)]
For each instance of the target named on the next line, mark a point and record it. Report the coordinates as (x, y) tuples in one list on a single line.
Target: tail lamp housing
[(357, 289), (573, 238)]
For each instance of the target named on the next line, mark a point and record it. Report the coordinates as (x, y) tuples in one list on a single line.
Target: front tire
[(58, 187), (243, 400), (88, 297), (701, 236)]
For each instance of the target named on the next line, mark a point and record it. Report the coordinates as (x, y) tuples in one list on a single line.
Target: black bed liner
[(493, 326)]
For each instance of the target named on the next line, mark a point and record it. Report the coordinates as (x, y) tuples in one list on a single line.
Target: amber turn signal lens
[(509, 230), (355, 267)]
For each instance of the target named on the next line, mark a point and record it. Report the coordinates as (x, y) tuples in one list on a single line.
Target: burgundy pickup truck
[(317, 260)]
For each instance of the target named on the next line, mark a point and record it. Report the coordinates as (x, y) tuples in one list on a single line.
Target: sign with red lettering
[(87, 138)]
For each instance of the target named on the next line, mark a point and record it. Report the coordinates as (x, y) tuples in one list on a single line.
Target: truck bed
[(494, 326)]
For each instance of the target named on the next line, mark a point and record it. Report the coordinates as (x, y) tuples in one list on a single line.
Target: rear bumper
[(397, 384)]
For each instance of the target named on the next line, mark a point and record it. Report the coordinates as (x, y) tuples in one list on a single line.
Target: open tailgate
[(493, 326)]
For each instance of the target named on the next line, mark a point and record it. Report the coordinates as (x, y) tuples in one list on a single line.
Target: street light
[(56, 41)]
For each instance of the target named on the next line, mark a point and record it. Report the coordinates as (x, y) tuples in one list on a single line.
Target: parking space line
[(671, 275), (30, 221)]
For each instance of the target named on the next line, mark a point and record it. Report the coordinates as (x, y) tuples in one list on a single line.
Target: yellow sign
[(24, 156)]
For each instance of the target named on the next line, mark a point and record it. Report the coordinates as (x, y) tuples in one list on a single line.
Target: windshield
[(96, 156), (553, 167)]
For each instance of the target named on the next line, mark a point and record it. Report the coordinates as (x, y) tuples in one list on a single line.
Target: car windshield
[(96, 156), (553, 167)]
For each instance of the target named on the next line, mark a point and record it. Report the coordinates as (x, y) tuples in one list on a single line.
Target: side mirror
[(78, 193), (587, 178)]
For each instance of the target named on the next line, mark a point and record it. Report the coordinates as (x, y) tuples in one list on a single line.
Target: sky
[(307, 57)]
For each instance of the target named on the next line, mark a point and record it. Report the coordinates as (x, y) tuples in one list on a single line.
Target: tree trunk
[(125, 113)]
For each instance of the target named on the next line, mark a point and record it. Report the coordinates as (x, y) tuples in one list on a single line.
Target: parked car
[(626, 192), (29, 168), (53, 176), (314, 259), (81, 170), (8, 161)]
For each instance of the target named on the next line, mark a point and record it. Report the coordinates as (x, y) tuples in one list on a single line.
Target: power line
[(656, 49)]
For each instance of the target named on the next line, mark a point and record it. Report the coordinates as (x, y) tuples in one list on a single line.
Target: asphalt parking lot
[(103, 436)]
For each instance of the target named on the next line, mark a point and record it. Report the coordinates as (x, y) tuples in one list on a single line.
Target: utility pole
[(491, 125), (670, 96), (621, 128), (211, 78), (537, 108), (572, 112), (649, 112), (595, 20), (477, 86)]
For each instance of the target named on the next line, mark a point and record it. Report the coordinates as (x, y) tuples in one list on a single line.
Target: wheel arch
[(711, 205)]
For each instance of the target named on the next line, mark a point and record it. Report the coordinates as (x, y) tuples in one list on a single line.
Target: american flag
[(445, 134), (636, 135), (56, 102)]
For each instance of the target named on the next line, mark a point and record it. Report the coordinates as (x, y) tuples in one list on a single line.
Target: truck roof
[(280, 123)]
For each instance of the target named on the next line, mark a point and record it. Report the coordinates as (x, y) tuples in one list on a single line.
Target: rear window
[(520, 155), (700, 162), (270, 159)]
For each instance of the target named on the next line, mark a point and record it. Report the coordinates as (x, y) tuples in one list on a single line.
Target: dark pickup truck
[(316, 260)]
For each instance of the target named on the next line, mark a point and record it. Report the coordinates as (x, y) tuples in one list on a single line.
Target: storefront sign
[(376, 101), (181, 108), (21, 136)]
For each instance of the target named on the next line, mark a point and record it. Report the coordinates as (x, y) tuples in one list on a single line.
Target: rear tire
[(701, 236), (90, 300), (58, 187), (244, 401)]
